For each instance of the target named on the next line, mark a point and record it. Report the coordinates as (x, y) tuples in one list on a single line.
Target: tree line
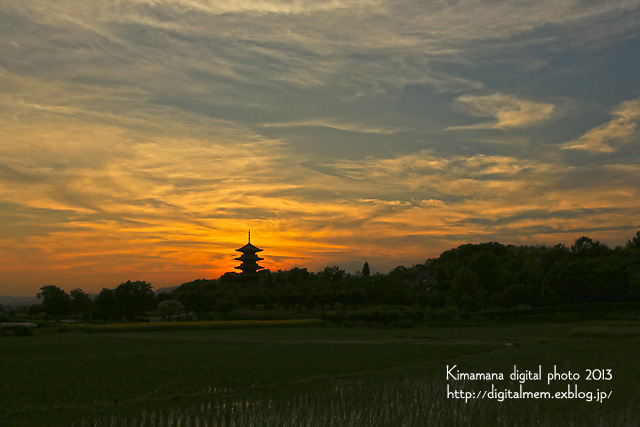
[(470, 277), (127, 301)]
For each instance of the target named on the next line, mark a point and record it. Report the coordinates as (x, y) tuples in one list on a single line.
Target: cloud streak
[(621, 129), (509, 112)]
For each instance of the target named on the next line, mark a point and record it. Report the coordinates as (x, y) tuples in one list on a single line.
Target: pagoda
[(249, 258)]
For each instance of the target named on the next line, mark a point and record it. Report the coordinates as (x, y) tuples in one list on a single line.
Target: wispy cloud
[(606, 138), (338, 124), (507, 110)]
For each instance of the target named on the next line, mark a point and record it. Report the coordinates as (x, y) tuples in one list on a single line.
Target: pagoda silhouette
[(249, 266)]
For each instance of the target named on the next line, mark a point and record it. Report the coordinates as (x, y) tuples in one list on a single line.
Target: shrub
[(17, 329)]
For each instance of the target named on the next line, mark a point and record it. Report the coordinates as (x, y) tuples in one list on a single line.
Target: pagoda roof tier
[(251, 267), (249, 248), (250, 258)]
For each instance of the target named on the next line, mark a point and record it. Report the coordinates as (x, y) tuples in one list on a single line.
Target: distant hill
[(8, 301), (166, 289)]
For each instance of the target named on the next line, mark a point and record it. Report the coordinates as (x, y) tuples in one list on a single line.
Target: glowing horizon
[(140, 140)]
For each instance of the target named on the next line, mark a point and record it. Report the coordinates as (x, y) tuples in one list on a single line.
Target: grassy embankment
[(313, 376)]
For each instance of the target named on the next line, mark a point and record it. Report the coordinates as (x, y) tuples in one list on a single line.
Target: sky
[(141, 140)]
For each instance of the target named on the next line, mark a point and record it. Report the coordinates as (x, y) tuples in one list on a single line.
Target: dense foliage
[(127, 301), (471, 277), (468, 278)]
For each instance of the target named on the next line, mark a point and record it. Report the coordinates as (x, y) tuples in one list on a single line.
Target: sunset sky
[(140, 140)]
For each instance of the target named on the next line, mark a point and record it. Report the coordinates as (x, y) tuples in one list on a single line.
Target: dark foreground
[(318, 376)]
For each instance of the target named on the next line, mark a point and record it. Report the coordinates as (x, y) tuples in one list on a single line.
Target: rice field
[(310, 376), (190, 326), (409, 401)]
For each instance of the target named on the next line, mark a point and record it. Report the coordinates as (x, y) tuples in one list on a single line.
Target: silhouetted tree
[(162, 296), (333, 274), (516, 294), (365, 270), (170, 308), (55, 301), (35, 310), (298, 275), (4, 316), (225, 306), (81, 303), (586, 246), (134, 298), (356, 297), (465, 290), (198, 296), (310, 301), (634, 243), (106, 306)]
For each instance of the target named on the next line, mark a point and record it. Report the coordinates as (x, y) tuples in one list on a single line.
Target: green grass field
[(314, 376)]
